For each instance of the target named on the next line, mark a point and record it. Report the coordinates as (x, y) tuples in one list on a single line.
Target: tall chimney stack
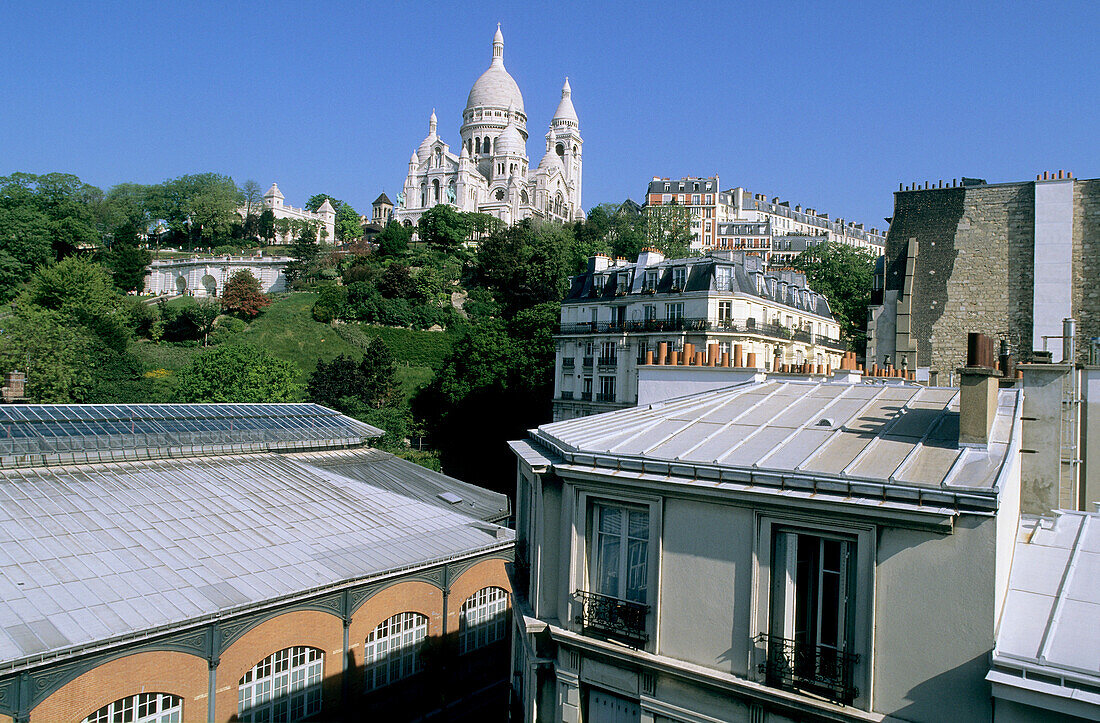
[(978, 393)]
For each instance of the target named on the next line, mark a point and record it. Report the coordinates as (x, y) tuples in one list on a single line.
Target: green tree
[(348, 225), (265, 225), (201, 209), (202, 315), (443, 227), (306, 253), (26, 242), (82, 292), (53, 354), (527, 264), (243, 295), (127, 262), (668, 229), (843, 274), (344, 383), (330, 303), (237, 373), (394, 239)]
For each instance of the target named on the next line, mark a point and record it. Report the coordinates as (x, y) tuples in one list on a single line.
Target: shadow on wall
[(430, 681), (962, 690)]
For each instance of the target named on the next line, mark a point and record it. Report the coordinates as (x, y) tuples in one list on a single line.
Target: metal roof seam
[(775, 448), (779, 386), (879, 434), (730, 423), (1071, 569)]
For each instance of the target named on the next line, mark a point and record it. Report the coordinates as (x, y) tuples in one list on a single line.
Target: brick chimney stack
[(978, 393)]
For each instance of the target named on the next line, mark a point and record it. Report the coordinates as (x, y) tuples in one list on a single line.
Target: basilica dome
[(510, 142), (496, 88)]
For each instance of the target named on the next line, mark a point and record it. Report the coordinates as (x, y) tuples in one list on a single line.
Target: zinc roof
[(90, 553), (1048, 626), (903, 436)]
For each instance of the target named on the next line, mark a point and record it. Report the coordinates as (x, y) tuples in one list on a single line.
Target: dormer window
[(679, 277), (650, 279), (598, 282), (722, 278)]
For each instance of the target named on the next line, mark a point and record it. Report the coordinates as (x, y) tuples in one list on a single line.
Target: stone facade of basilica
[(490, 173)]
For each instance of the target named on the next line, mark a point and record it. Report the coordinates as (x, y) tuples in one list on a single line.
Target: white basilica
[(490, 173)]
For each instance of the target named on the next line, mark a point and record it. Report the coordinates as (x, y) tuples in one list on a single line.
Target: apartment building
[(738, 220), (770, 550), (619, 310)]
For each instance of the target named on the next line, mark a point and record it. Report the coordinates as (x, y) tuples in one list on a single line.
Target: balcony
[(611, 362), (814, 669), (612, 618), (802, 335), (605, 396), (585, 396), (618, 327), (834, 344), (567, 395), (568, 362), (587, 362)]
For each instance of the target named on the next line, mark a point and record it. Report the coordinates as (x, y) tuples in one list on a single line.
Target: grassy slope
[(287, 330)]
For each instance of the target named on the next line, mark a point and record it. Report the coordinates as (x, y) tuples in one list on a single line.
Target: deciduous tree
[(443, 227), (243, 295), (237, 373), (843, 274), (394, 239)]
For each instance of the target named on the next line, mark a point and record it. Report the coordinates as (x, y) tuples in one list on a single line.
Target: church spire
[(432, 124), (498, 47)]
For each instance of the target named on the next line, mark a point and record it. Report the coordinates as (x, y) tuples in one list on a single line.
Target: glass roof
[(42, 434)]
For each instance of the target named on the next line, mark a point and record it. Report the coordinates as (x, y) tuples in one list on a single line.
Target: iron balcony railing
[(609, 361), (567, 395), (613, 618), (586, 396), (612, 327), (815, 669), (835, 344), (605, 396), (568, 362), (802, 335), (587, 362)]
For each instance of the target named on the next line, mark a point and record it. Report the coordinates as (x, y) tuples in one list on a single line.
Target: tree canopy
[(243, 295), (444, 227), (237, 373), (843, 274), (394, 239)]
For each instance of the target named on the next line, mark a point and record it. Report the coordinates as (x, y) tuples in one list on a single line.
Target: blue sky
[(827, 105)]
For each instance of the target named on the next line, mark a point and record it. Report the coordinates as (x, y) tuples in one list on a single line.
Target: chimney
[(978, 393), (14, 387)]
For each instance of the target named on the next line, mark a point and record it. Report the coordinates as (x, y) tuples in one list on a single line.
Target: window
[(483, 618), (674, 312), (392, 649), (284, 686), (643, 347), (810, 625), (620, 552), (650, 312), (607, 389), (695, 199), (587, 392), (608, 352), (500, 191), (710, 198), (679, 277), (598, 281), (141, 708), (722, 278), (725, 311), (650, 279)]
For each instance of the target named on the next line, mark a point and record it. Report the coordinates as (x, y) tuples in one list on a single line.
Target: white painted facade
[(920, 587), (1053, 260), (490, 172), (324, 217), (206, 278)]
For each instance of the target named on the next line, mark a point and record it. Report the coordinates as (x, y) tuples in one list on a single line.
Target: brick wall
[(155, 672), (187, 675)]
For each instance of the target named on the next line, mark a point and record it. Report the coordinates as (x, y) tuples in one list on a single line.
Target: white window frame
[(862, 587), (392, 650), (141, 708), (581, 574), (483, 618), (674, 311), (286, 685)]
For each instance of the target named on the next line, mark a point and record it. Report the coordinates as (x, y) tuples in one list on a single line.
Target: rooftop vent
[(450, 497), (824, 422)]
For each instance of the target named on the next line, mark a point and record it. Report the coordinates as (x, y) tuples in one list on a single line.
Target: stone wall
[(1086, 263), (974, 267)]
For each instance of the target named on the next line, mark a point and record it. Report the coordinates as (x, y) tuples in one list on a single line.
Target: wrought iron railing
[(568, 362), (586, 396), (605, 396), (567, 395), (608, 361), (587, 362), (815, 669), (836, 344), (613, 618), (802, 335)]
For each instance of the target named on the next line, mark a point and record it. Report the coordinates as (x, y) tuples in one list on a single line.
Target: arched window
[(523, 196), (435, 190), (488, 144), (560, 150), (141, 708), (423, 195), (479, 145), (284, 686), (392, 649), (483, 618)]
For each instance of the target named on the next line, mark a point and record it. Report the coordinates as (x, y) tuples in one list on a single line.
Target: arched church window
[(574, 149), (488, 144), (500, 194), (435, 190), (478, 145), (560, 150), (423, 195), (523, 196)]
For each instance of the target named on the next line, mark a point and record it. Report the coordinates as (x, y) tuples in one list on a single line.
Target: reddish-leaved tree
[(242, 295)]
